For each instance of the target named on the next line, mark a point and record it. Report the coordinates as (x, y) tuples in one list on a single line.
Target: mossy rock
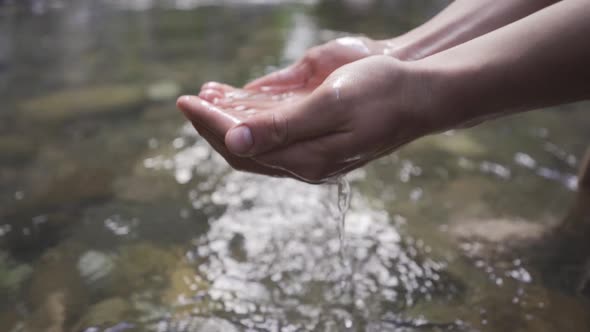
[(9, 319), (183, 284), (95, 267), (456, 143), (75, 186), (143, 266), (56, 293), (59, 200), (147, 188), (69, 104), (51, 316), (163, 91), (105, 313), (12, 275), (57, 272), (16, 148)]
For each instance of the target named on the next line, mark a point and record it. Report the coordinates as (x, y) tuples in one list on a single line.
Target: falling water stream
[(344, 196)]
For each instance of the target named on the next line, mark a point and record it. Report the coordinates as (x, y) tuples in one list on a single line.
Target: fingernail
[(239, 140)]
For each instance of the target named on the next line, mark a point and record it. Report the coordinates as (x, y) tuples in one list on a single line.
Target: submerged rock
[(104, 314), (454, 143), (56, 280), (37, 220), (147, 188), (9, 320), (50, 316), (16, 148), (142, 266), (12, 275), (69, 104), (95, 266), (163, 91), (186, 291), (497, 230)]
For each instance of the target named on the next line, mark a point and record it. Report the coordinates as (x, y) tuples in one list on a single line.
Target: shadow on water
[(116, 216)]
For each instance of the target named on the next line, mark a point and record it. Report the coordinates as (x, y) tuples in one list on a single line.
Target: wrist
[(416, 96), (459, 93)]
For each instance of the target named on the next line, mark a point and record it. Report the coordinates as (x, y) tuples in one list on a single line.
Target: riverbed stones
[(163, 91), (12, 275), (9, 319), (69, 104), (95, 266), (186, 291), (15, 149), (105, 314), (142, 266), (500, 230), (37, 220), (56, 292), (147, 188), (455, 143), (56, 273)]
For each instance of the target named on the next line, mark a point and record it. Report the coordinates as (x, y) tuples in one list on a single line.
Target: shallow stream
[(116, 216)]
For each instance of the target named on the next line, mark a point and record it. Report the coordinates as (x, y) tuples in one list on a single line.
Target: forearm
[(539, 61), (460, 22)]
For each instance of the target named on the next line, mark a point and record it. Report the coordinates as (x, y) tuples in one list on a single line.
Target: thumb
[(273, 129)]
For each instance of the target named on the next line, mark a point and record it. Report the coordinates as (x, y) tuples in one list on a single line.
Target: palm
[(293, 82), (221, 107), (243, 103)]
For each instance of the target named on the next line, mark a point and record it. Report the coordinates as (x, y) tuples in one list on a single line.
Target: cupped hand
[(318, 63), (358, 113)]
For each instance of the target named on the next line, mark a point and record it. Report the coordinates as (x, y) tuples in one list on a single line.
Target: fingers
[(261, 101), (210, 95), (217, 86), (310, 161), (207, 115), (280, 126), (226, 96), (241, 164), (213, 91), (290, 78)]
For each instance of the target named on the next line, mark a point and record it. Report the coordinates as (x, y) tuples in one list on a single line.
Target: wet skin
[(349, 126), (332, 112), (264, 100)]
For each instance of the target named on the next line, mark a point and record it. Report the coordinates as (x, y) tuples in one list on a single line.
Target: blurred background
[(116, 216)]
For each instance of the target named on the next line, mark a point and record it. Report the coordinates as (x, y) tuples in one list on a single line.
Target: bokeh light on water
[(116, 216)]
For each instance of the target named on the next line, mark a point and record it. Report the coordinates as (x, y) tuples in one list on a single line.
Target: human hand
[(319, 62), (360, 112)]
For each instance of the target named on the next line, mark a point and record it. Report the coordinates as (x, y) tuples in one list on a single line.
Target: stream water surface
[(116, 216)]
